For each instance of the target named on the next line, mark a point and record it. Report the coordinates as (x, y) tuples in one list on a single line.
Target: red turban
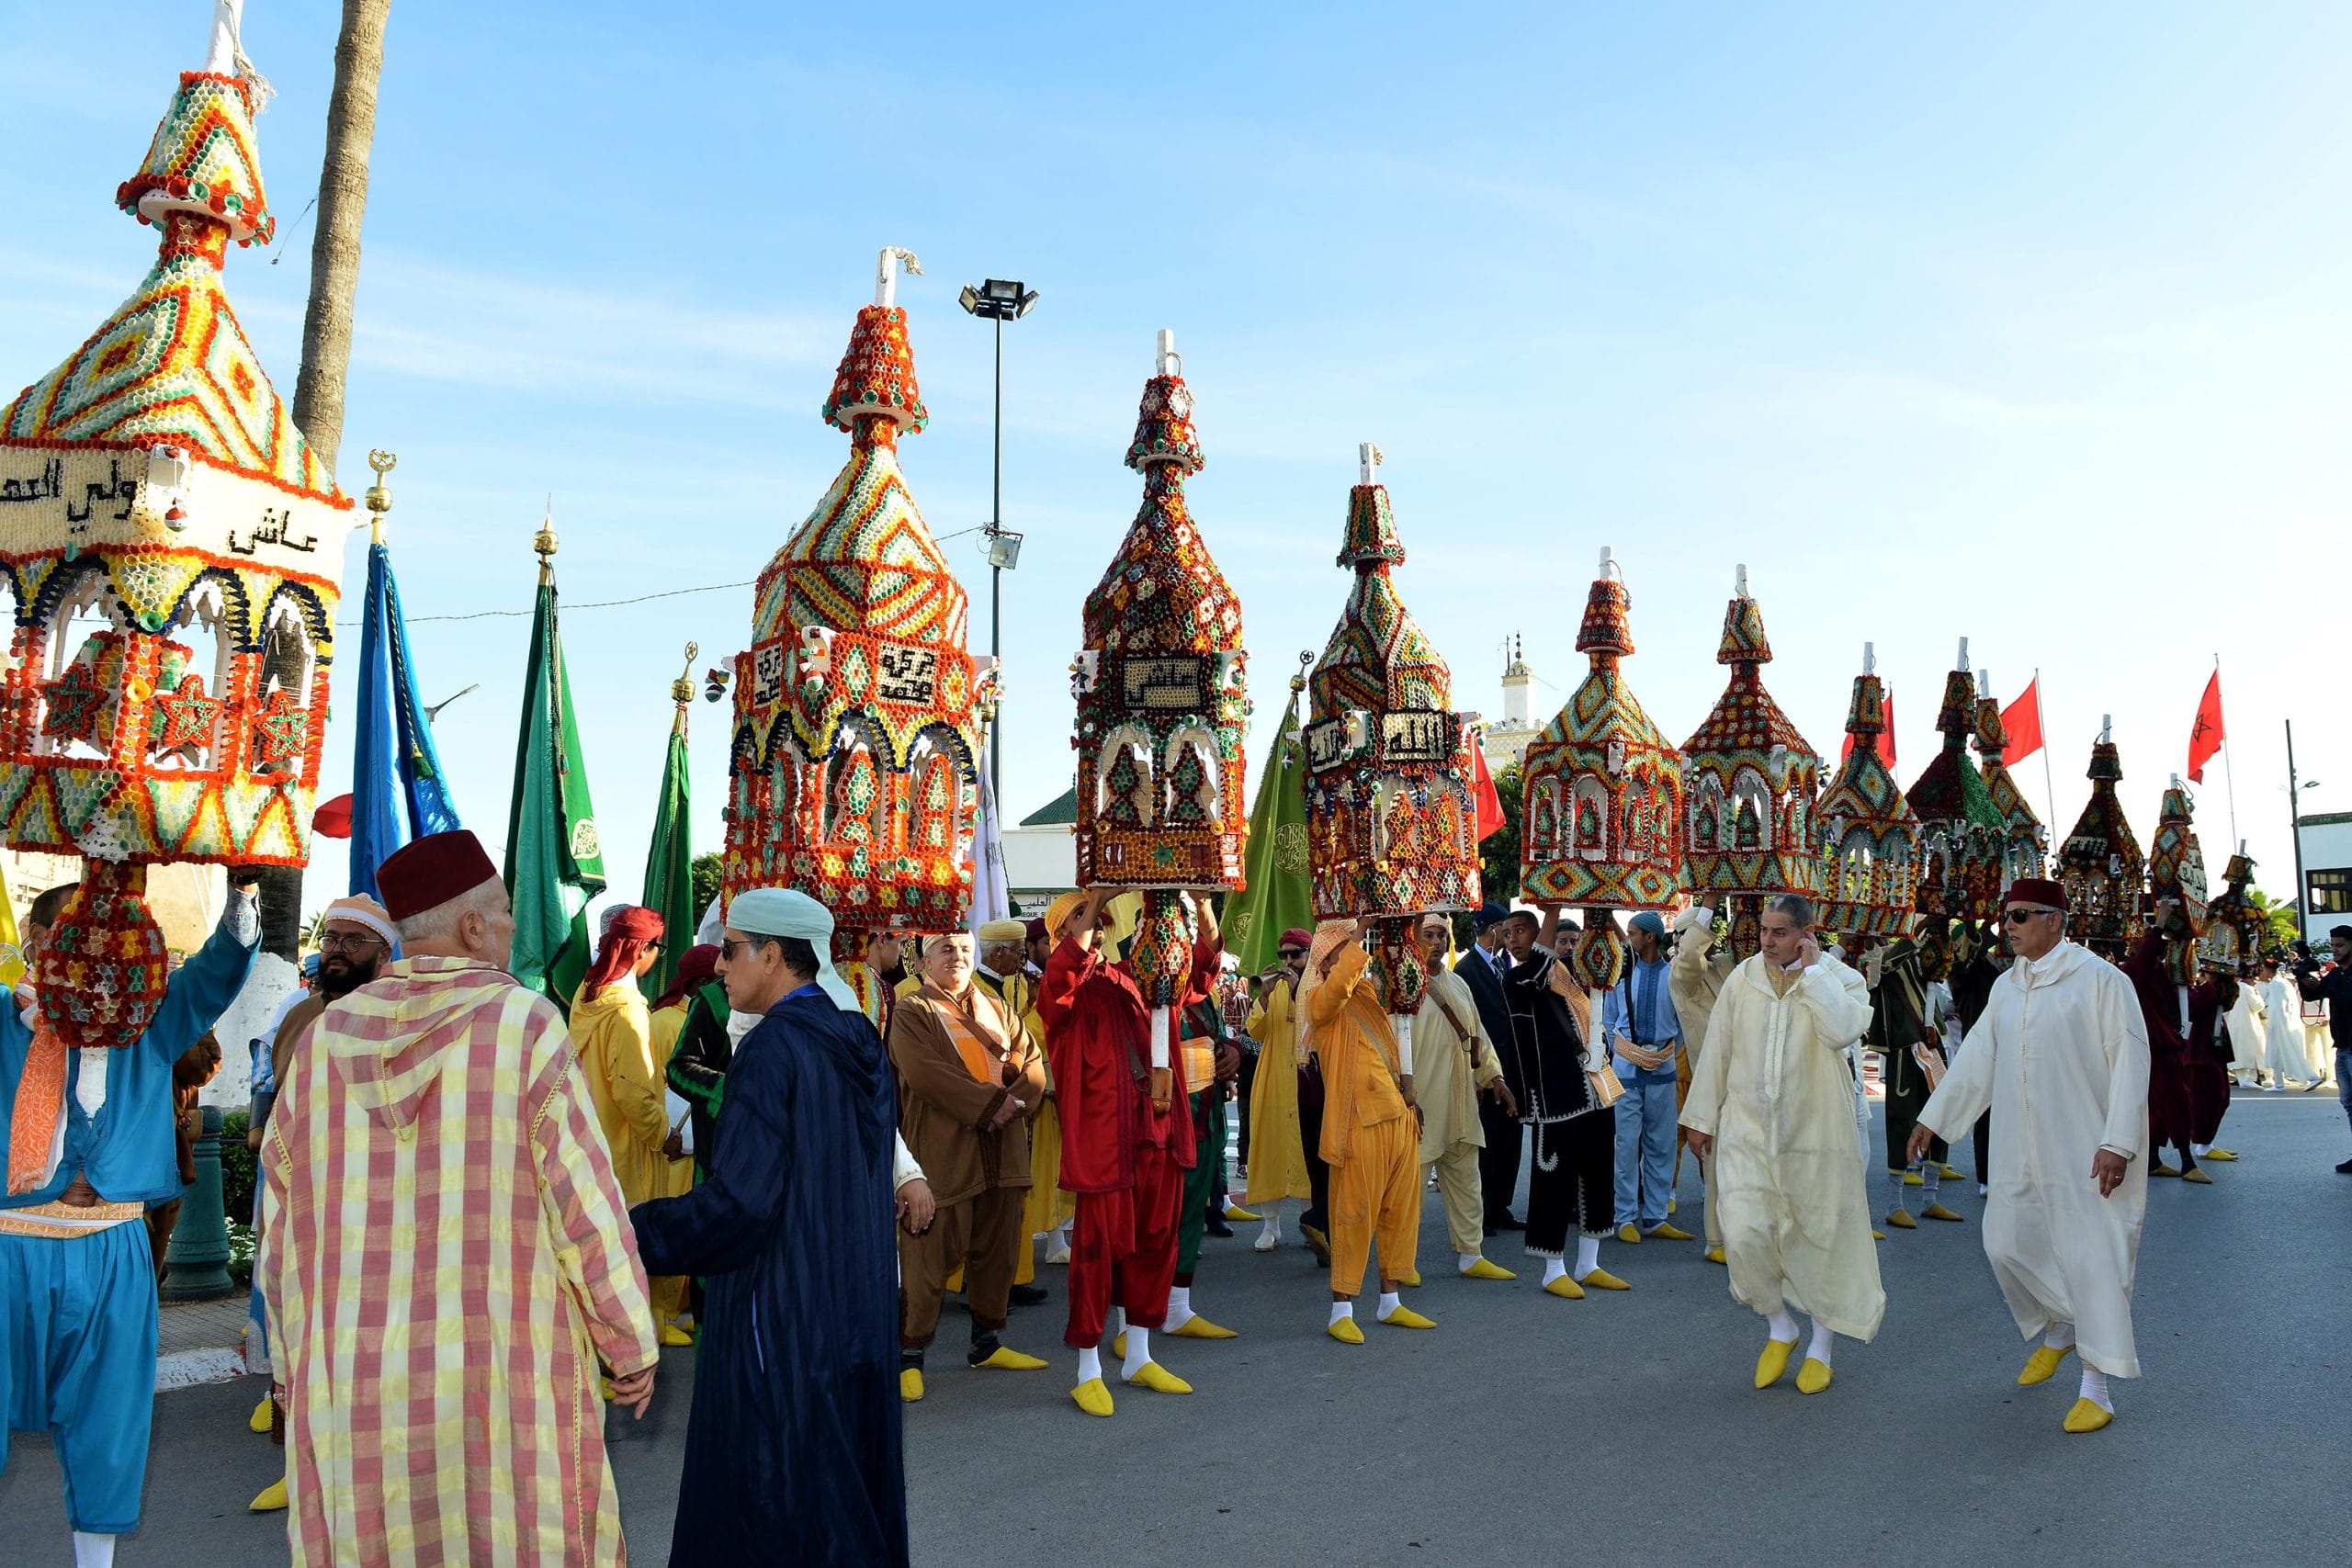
[(2036, 890), (631, 931), (428, 873), (1297, 936), (695, 967)]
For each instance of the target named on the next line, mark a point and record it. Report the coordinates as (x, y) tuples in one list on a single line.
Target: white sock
[(2200, 1150), (93, 1550), (1270, 1226), (1115, 1321), (2060, 1336), (2094, 1389), (1342, 1311), (1781, 1326), (1138, 1350), (1819, 1349), (1932, 1174), (1090, 1364), (1588, 1255), (1180, 1305), (1554, 1270), (1466, 1261), (1388, 1304)]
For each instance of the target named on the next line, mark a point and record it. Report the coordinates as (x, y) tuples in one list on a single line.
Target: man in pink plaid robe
[(447, 1256)]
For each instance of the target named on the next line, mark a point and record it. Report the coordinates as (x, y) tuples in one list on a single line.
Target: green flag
[(1275, 863), (555, 863), (670, 862)]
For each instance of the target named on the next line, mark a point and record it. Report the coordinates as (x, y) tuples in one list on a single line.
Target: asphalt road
[(1527, 1428)]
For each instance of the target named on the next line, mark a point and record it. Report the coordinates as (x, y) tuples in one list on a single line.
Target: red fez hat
[(428, 873), (1297, 936), (1034, 931), (2036, 890)]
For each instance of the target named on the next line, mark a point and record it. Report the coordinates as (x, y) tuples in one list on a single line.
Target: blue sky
[(2026, 323)]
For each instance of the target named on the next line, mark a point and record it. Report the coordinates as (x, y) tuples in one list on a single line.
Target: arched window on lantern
[(78, 649), (857, 806), (1752, 821), (195, 675), (1707, 813), (1543, 817), (1123, 786), (785, 788), (935, 802), (279, 717), (1591, 817), (1193, 797)]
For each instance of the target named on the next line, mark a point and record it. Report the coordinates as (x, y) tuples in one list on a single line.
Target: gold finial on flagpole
[(379, 494)]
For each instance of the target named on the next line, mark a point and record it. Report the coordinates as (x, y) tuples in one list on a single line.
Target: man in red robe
[(1127, 1140), (2178, 1016)]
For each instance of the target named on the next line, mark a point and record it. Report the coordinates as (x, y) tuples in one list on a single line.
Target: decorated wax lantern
[(2177, 871), (1748, 784), (2100, 864), (1391, 830), (173, 547), (1602, 818), (2025, 842), (1161, 708), (852, 772), (1869, 834), (2234, 927), (1961, 830)]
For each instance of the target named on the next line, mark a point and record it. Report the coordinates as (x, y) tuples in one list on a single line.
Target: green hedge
[(236, 1168)]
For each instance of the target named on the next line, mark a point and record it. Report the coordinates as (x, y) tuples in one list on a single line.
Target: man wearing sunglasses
[(2060, 1055)]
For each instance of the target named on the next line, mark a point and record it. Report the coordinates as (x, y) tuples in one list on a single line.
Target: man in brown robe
[(969, 1079)]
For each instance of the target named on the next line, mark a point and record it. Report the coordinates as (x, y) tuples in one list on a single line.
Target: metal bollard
[(196, 1264)]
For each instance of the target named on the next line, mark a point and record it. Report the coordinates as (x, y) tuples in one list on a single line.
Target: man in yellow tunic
[(1369, 1137), (1771, 1111), (613, 1030), (445, 1254), (1453, 1064), (1278, 1165)]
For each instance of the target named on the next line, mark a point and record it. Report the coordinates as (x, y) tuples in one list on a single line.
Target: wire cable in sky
[(591, 604)]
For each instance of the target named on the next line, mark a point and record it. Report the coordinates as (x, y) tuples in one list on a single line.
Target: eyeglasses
[(727, 949), (2018, 915), (1290, 953), (357, 942)]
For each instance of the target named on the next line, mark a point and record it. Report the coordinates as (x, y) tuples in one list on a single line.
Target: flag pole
[(2048, 790), (2228, 773)]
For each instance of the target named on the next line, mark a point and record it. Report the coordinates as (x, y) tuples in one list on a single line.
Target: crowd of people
[(481, 1218)]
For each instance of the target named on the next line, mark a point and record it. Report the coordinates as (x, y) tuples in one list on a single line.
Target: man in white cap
[(796, 1432)]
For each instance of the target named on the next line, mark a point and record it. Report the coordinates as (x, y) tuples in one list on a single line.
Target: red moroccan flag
[(2021, 724), (1482, 793), (1885, 745), (2205, 737)]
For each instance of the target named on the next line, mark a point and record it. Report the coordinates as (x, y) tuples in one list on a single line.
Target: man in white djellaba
[(2061, 1057)]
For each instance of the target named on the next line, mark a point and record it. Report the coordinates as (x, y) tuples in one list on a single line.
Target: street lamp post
[(2295, 788), (999, 301)]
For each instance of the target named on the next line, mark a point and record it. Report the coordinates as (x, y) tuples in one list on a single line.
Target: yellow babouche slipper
[(910, 1383), (1157, 1379), (1199, 1328), (1773, 1361), (2221, 1153), (1004, 1358), (1937, 1211), (1813, 1376), (1715, 1255), (1951, 1173), (2087, 1415), (2041, 1366), (1092, 1397), (1603, 1279), (1411, 1280), (2161, 1169), (1669, 1231), (1406, 1318), (1631, 1234), (1877, 1235), (1567, 1289), (1316, 1243), (1236, 1212), (1913, 1179), (673, 1336), (259, 1421), (272, 1499), (1900, 1220), (1669, 1207), (1119, 1344), (1346, 1332), (1483, 1270), (2198, 1177)]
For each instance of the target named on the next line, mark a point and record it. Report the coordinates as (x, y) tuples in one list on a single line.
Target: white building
[(2325, 839), (1507, 738), (1041, 855)]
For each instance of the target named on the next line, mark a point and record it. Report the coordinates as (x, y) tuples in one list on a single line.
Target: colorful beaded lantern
[(1391, 830), (1748, 782), (173, 547), (2100, 864), (1869, 834), (2234, 929), (2177, 871), (1602, 824), (2025, 842), (1961, 830), (852, 773)]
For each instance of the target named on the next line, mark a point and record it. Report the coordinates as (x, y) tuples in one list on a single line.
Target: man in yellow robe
[(613, 1029), (1278, 1164), (1369, 1137)]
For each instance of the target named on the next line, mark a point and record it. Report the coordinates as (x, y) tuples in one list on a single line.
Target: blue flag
[(398, 792)]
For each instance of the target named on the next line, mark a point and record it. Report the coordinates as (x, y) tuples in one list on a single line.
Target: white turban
[(780, 911)]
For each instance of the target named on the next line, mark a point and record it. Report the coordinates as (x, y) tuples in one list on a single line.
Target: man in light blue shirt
[(1644, 1035)]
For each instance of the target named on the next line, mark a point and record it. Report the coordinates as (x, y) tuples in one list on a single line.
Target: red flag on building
[(2205, 737), (1482, 794), (1885, 745), (2021, 724)]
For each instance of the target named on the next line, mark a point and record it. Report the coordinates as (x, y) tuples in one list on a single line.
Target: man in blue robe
[(794, 1445)]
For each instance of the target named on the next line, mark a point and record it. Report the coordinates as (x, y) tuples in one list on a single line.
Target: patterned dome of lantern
[(1391, 826), (2100, 864), (2234, 927), (1748, 782), (1162, 710), (1869, 834), (1961, 829), (853, 769), (2175, 860), (173, 548)]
